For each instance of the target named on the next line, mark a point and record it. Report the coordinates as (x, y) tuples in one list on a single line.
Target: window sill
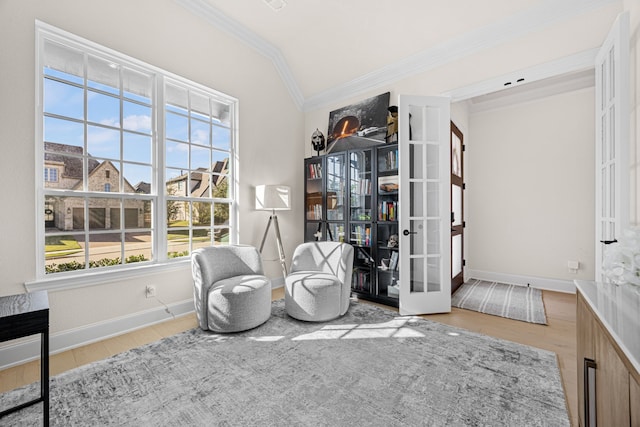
[(63, 281)]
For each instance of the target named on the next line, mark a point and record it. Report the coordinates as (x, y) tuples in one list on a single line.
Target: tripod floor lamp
[(274, 198)]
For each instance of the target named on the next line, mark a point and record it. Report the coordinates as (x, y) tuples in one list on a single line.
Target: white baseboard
[(278, 282), (26, 350), (566, 286)]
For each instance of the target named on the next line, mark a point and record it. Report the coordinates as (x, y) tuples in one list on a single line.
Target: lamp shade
[(273, 197)]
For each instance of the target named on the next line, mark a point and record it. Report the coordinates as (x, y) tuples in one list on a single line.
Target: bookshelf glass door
[(360, 219), (387, 239), (336, 198)]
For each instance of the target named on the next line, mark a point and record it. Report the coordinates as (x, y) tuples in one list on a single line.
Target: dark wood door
[(457, 208)]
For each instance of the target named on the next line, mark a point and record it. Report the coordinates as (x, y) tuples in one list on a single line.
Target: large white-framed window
[(135, 166)]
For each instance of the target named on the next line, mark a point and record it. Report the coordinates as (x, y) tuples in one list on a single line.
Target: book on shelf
[(388, 211), (314, 212), (391, 160), (360, 280), (315, 171), (361, 235), (363, 186)]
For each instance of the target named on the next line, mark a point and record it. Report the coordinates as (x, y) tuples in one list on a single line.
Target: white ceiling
[(322, 47)]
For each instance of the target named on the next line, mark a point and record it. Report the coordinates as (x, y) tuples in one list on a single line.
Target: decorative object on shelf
[(360, 125), (317, 141), (388, 184), (393, 262), (274, 198), (318, 234), (392, 125), (393, 241), (621, 262)]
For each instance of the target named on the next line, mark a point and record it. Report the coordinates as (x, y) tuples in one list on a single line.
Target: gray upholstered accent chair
[(319, 285), (230, 291)]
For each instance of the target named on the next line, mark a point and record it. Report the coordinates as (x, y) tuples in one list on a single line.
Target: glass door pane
[(336, 179), (387, 238), (313, 190), (314, 227), (360, 185)]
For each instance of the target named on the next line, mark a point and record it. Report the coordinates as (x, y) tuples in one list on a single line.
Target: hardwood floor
[(558, 336)]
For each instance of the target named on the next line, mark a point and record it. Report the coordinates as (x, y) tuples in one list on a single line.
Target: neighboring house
[(196, 184), (63, 169), (142, 188)]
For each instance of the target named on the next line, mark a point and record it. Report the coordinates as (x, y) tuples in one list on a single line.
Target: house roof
[(70, 156), (142, 187)]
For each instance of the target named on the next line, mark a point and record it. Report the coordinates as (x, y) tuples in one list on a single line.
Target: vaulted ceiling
[(323, 47)]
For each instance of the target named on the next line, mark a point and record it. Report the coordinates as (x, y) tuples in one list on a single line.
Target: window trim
[(158, 227)]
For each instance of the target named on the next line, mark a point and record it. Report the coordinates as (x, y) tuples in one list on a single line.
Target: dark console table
[(23, 315)]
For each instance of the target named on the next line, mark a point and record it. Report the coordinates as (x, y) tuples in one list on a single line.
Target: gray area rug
[(371, 367), (510, 301)]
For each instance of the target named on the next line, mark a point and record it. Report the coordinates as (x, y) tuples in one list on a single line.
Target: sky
[(185, 136)]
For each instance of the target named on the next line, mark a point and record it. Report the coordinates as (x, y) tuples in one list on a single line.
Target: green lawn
[(198, 235), (60, 243)]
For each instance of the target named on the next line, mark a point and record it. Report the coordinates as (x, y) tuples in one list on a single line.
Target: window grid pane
[(100, 179), (198, 176)]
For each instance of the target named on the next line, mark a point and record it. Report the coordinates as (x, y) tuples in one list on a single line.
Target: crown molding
[(215, 17), (545, 14)]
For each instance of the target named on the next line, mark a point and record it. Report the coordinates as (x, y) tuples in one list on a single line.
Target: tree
[(221, 210), (203, 212), (173, 206)]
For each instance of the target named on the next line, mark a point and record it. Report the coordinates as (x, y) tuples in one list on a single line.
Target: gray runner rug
[(510, 301), (371, 367)]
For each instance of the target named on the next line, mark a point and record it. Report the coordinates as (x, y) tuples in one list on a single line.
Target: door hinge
[(464, 186), (464, 262), (464, 147), (464, 224)]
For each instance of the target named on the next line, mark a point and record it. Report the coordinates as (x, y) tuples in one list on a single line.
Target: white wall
[(530, 187), (163, 34)]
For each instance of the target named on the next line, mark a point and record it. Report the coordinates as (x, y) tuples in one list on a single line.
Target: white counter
[(618, 309)]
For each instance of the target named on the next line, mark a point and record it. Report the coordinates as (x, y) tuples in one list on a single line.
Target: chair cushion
[(313, 296), (239, 303)]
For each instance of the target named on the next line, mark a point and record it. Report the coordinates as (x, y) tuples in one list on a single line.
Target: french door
[(425, 216), (612, 138), (457, 208)]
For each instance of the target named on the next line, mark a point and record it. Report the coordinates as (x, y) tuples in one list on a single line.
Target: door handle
[(608, 242), (407, 232)]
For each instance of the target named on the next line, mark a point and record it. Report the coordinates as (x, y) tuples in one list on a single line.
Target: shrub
[(177, 254), (104, 262)]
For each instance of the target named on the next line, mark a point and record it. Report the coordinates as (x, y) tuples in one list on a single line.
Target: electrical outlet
[(573, 266), (150, 291)]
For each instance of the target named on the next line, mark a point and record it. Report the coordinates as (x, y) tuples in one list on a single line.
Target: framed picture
[(360, 125)]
